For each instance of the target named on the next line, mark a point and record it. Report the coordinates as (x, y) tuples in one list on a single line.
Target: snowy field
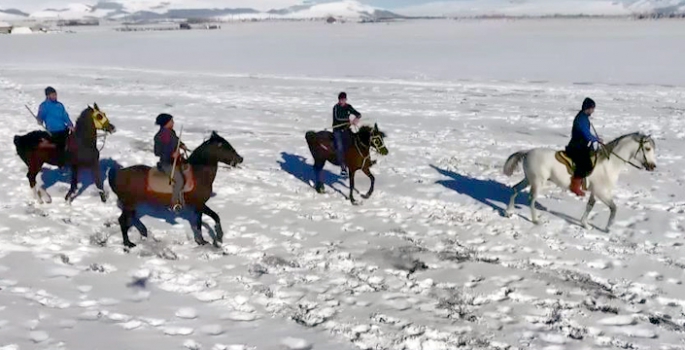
[(428, 262)]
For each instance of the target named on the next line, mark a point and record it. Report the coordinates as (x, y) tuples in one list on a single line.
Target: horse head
[(377, 140), (100, 119), (217, 149), (646, 151)]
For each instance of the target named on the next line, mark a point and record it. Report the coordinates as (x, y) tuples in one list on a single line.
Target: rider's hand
[(176, 154), (71, 129), (595, 146), (355, 121)]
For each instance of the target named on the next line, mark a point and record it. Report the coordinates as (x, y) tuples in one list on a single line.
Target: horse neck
[(203, 167), (85, 131), (625, 149), (363, 142)]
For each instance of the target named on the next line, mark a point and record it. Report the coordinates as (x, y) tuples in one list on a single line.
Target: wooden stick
[(178, 146)]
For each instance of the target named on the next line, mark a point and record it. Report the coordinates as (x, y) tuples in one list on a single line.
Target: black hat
[(163, 118), (50, 90), (588, 103), (342, 95)]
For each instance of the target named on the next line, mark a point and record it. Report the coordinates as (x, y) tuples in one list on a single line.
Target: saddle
[(564, 159), (157, 181)]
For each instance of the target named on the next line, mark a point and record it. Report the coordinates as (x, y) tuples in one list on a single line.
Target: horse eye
[(648, 149)]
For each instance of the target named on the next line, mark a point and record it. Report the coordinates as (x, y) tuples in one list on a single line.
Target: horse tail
[(513, 162), (310, 136)]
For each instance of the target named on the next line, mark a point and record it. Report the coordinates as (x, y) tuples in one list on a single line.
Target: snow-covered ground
[(428, 262)]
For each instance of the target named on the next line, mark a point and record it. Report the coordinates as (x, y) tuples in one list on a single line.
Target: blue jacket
[(581, 136), (54, 115)]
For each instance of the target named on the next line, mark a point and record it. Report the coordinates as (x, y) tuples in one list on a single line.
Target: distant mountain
[(141, 10), (518, 8), (12, 15), (349, 9)]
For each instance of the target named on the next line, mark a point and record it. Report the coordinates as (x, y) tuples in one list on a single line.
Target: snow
[(21, 30), (428, 262)]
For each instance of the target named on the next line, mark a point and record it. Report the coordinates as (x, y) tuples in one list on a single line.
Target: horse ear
[(375, 126), (214, 134), (95, 105)]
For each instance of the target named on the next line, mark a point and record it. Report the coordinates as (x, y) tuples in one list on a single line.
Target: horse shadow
[(488, 192), (297, 166), (161, 213), (52, 176)]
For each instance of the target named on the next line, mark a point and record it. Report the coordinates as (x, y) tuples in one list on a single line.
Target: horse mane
[(365, 132), (636, 136), (84, 123), (199, 156)]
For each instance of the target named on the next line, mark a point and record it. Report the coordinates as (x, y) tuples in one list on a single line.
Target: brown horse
[(357, 154), (140, 184), (81, 152)]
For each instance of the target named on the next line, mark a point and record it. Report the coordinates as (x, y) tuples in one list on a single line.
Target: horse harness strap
[(356, 145), (609, 153)]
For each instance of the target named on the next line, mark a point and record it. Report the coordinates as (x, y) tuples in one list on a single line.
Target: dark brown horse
[(82, 152), (141, 184), (357, 154)]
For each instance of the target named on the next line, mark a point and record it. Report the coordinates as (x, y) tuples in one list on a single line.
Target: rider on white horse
[(583, 142)]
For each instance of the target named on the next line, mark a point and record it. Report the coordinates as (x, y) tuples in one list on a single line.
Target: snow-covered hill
[(544, 7), (153, 9)]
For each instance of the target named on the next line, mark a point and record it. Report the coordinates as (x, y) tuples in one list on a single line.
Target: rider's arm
[(65, 116), (40, 117), (584, 127), (354, 112)]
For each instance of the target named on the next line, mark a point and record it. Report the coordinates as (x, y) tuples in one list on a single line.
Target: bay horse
[(141, 184), (35, 149), (542, 164), (357, 154)]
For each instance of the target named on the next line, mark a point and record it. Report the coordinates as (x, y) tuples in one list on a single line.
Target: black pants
[(582, 159), (60, 139)]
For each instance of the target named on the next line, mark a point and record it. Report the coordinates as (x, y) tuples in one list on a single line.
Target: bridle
[(643, 140), (377, 142)]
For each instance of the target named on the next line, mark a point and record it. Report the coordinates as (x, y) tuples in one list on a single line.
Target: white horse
[(540, 165)]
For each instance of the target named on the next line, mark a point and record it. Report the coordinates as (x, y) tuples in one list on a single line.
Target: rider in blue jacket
[(54, 116), (583, 142)]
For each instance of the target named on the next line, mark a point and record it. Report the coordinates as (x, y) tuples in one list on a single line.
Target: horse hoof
[(366, 196), (129, 245), (201, 242), (103, 197)]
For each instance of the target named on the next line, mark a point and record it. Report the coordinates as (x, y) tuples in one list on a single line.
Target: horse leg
[(198, 228), (97, 176), (517, 188), (135, 221), (352, 172), (534, 190), (588, 209), (318, 173), (606, 199), (367, 171), (74, 183), (219, 230), (125, 221), (38, 192)]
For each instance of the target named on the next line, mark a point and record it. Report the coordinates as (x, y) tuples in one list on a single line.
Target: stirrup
[(177, 207)]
